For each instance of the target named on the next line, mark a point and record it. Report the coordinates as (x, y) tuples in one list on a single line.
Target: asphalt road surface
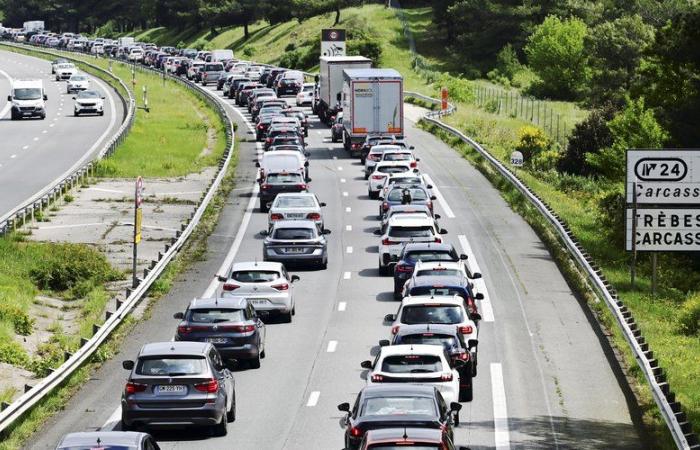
[(34, 152), (546, 379)]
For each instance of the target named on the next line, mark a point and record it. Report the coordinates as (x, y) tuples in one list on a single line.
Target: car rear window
[(294, 233), (215, 315), (396, 157), (412, 364), (295, 202), (286, 140), (439, 272), (432, 290), (214, 67), (282, 178), (437, 314), (429, 255), (407, 180), (155, 366), (393, 169), (416, 194), (410, 232), (445, 340), (386, 406), (255, 276)]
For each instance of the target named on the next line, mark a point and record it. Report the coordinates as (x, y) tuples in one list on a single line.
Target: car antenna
[(99, 441), (405, 434)]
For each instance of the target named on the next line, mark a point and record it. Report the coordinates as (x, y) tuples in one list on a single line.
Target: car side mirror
[(455, 407), (307, 154), (390, 317), (294, 278), (73, 97), (479, 296), (463, 257), (322, 204), (475, 317), (178, 315), (128, 365), (384, 343), (103, 98), (377, 232), (432, 197), (344, 407), (9, 98), (46, 97), (417, 159), (443, 231), (264, 233), (412, 147), (366, 364), (429, 186), (222, 278), (306, 164), (476, 275), (326, 231), (437, 216), (257, 164)]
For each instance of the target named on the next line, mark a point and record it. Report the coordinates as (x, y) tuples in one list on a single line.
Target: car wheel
[(383, 270), (255, 362), (125, 426), (398, 295), (373, 195), (263, 206), (324, 265), (286, 317), (263, 354), (221, 429), (76, 113), (366, 176), (102, 113), (231, 414), (294, 310)]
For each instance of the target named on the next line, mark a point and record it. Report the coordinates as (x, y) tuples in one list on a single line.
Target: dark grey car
[(123, 440), (178, 383), (230, 323), (296, 242)]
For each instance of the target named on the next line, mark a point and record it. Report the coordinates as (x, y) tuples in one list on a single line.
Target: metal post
[(633, 267), (653, 274), (557, 127)]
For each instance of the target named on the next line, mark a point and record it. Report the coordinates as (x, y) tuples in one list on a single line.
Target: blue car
[(420, 251)]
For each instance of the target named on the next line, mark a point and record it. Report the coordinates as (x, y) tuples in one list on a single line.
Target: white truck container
[(125, 41), (220, 55), (372, 103), (330, 82), (34, 25)]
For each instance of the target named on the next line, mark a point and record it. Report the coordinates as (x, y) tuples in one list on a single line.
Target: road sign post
[(138, 218), (333, 42), (443, 97)]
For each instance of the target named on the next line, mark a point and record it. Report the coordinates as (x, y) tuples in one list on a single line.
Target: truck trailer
[(372, 101), (327, 104)]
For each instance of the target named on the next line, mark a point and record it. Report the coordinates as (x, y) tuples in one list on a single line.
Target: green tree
[(557, 54), (588, 137), (633, 127)]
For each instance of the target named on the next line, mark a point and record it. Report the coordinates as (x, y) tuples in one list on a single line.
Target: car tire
[(231, 413), (286, 317), (467, 394), (125, 426), (383, 270), (263, 354), (263, 207), (398, 296), (102, 113), (255, 362), (324, 265), (373, 195), (221, 428), (294, 310), (76, 113)]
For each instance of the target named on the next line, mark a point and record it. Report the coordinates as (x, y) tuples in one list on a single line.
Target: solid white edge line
[(500, 408), (440, 198), (479, 284), (7, 107), (313, 398)]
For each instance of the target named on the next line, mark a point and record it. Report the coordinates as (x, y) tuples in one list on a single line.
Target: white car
[(135, 55), (89, 102), (266, 285), (407, 178), (290, 122), (400, 230), (254, 73), (296, 206), (400, 155), (375, 155), (97, 49), (77, 82), (65, 70), (194, 68), (306, 95), (439, 310), (381, 171), (417, 363)]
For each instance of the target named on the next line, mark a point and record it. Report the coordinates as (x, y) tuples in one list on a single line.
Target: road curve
[(33, 152), (546, 379)]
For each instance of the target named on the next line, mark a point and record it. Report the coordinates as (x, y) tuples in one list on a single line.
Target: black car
[(299, 114), (279, 132), (230, 323), (275, 183), (272, 77), (262, 125), (420, 251), (445, 285), (286, 140), (397, 406), (243, 92), (452, 340), (235, 82)]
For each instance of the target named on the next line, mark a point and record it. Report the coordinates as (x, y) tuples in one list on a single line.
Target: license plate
[(217, 340), (258, 301), (171, 389), (295, 215), (294, 250)]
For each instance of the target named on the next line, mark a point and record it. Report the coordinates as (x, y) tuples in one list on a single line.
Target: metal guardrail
[(671, 410), (34, 394), (80, 169)]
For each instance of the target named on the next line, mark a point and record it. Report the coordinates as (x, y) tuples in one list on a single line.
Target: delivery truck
[(327, 103), (372, 102), (125, 41), (34, 26)]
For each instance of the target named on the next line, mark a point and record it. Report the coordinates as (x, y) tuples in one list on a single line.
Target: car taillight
[(265, 187), (404, 269), (237, 328), (377, 177), (276, 216), (281, 286), (468, 329), (377, 378), (385, 206), (387, 241), (209, 387), (438, 240), (414, 164), (395, 329), (230, 287), (183, 329), (313, 216), (446, 377), (268, 140), (356, 432), (301, 186), (132, 388), (462, 356), (355, 145), (260, 126), (373, 157)]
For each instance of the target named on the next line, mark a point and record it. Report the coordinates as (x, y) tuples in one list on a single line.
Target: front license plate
[(171, 389)]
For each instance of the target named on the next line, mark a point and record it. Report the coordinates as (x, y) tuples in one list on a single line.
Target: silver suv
[(178, 383), (210, 72)]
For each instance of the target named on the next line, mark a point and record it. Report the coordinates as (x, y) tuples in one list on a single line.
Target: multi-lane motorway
[(34, 152), (547, 379)]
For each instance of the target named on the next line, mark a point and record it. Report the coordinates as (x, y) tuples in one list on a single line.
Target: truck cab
[(28, 99)]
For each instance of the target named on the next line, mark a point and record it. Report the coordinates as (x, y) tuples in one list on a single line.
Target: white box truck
[(220, 55), (125, 41), (330, 83), (372, 103), (32, 26)]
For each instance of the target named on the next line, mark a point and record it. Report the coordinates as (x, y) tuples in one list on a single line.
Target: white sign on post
[(664, 177), (332, 42), (664, 229), (516, 159)]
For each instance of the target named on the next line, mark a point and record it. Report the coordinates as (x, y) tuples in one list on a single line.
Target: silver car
[(267, 286), (296, 242), (178, 383), (127, 440), (296, 206)]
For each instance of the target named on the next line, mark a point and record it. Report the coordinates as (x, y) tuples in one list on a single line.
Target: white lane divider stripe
[(332, 345), (500, 408), (342, 306), (479, 284), (313, 398), (443, 203), (348, 227), (348, 209), (349, 249), (347, 275)]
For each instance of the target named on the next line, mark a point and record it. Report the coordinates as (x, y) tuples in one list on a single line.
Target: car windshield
[(432, 290), (438, 272), (412, 364), (255, 276), (438, 314), (396, 157), (429, 255), (416, 195), (283, 178), (295, 202), (393, 169), (388, 406), (294, 233), (214, 67), (215, 315), (410, 232), (170, 366), (447, 341), (27, 94), (88, 94)]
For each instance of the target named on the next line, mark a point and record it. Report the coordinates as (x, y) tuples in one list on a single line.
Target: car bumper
[(318, 256), (246, 351), (209, 414), (35, 112)]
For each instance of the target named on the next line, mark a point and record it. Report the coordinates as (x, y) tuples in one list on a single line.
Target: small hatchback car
[(296, 241), (178, 383)]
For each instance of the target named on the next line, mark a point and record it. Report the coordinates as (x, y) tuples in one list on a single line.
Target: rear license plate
[(258, 301), (295, 215), (294, 250), (216, 340), (173, 389)]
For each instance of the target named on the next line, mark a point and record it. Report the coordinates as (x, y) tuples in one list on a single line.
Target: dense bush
[(11, 352), (70, 264), (20, 320), (611, 208), (531, 142), (690, 315), (507, 66), (367, 47), (588, 137)]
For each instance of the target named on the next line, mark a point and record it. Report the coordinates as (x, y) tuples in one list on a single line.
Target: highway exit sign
[(663, 177)]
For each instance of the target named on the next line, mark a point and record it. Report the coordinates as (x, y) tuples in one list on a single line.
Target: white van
[(28, 99), (282, 161), (220, 55)]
